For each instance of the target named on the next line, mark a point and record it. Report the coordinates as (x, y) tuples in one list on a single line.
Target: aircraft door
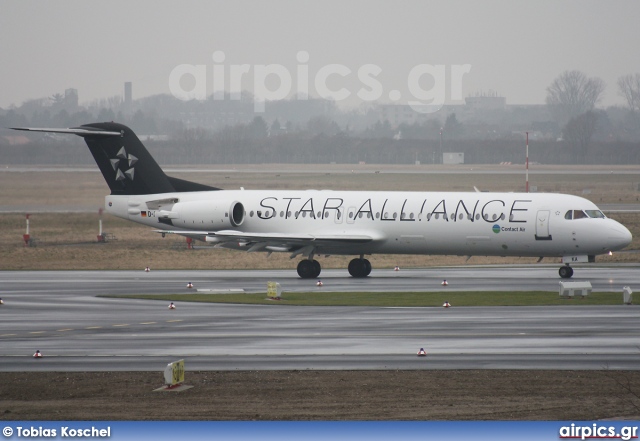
[(542, 225)]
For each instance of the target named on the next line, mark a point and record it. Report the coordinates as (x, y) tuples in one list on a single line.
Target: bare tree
[(578, 133), (629, 88), (572, 93)]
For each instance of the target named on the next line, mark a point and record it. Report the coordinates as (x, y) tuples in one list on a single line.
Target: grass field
[(398, 299)]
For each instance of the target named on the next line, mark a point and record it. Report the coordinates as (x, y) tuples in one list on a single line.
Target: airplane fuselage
[(492, 224)]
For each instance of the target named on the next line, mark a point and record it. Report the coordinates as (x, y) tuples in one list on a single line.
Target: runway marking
[(89, 327)]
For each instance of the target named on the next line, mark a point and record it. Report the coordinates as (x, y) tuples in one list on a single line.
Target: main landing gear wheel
[(309, 269), (566, 272), (359, 267)]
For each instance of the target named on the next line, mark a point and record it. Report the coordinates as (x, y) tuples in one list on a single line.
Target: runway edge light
[(446, 304), (189, 285), (445, 283), (38, 354), (422, 353)]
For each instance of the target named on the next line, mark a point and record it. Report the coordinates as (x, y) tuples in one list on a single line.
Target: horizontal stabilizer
[(75, 131)]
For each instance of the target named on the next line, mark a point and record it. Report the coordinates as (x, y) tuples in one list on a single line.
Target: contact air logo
[(496, 228)]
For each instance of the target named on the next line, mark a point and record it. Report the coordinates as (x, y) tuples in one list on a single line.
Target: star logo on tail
[(123, 165)]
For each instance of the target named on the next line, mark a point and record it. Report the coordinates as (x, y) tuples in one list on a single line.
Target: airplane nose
[(619, 236)]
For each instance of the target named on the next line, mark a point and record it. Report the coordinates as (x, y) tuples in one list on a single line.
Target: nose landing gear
[(566, 272)]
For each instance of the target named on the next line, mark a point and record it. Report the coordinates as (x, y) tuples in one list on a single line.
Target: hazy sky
[(513, 47)]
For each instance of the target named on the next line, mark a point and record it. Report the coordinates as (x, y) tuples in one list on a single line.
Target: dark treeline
[(229, 131), (338, 148)]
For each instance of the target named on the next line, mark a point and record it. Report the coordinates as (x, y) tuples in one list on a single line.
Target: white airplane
[(310, 223)]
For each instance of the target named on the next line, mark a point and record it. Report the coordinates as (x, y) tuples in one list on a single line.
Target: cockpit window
[(595, 214), (579, 214)]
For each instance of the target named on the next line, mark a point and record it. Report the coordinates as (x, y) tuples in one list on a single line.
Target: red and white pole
[(26, 236), (100, 235), (527, 164)]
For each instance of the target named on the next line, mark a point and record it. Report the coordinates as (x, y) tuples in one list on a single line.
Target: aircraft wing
[(274, 241)]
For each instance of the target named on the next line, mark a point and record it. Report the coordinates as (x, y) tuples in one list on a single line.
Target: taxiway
[(58, 313)]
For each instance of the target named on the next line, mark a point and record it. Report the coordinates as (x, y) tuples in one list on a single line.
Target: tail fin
[(125, 163)]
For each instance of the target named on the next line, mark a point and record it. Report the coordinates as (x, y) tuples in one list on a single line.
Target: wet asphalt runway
[(58, 313)]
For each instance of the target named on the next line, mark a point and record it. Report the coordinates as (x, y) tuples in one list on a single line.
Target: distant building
[(490, 101), (398, 114), (128, 93), (452, 158)]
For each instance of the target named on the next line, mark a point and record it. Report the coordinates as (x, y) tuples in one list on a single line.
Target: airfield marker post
[(527, 165), (27, 237)]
